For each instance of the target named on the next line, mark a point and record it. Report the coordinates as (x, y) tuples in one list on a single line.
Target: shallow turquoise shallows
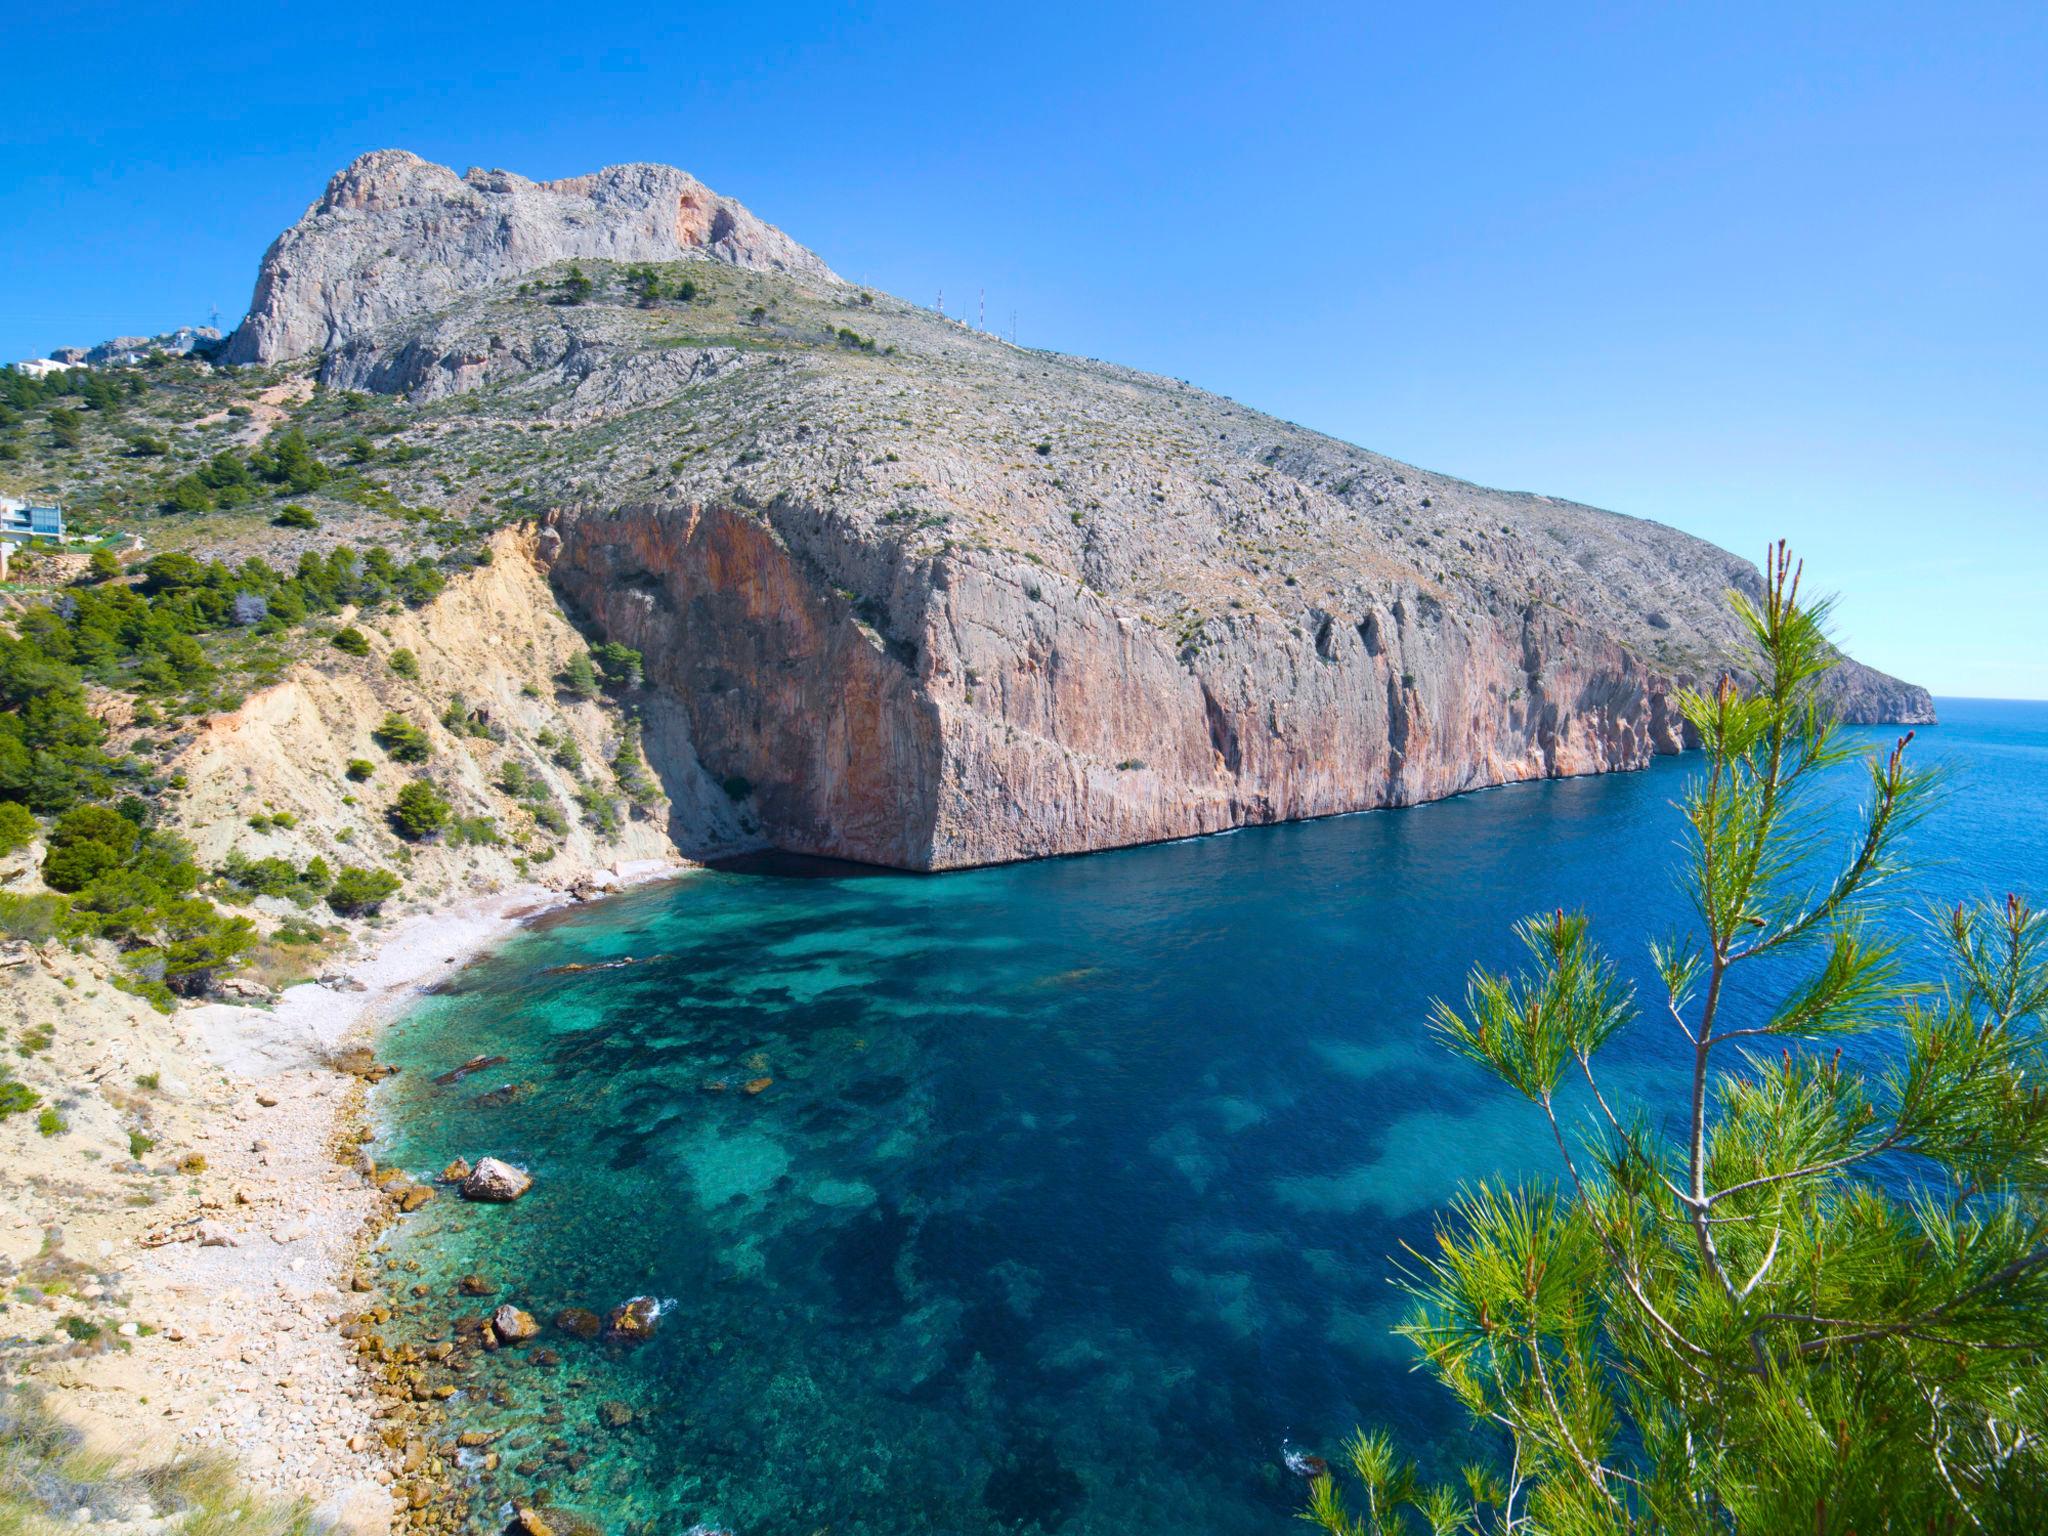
[(1075, 1189)]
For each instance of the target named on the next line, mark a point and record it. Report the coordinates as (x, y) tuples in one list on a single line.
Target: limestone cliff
[(914, 595)]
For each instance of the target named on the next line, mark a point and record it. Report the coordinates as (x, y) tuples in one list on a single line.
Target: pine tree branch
[(1891, 1140), (1914, 1326), (1630, 1277)]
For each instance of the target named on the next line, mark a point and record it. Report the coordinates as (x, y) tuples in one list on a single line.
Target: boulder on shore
[(495, 1181)]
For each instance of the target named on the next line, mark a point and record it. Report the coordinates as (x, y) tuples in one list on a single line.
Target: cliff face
[(917, 596), (394, 235), (1006, 715)]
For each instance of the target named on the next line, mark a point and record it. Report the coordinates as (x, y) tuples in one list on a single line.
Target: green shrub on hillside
[(404, 741), (621, 665), (420, 811), (352, 642), (579, 678), (404, 663), (17, 826), (359, 892), (246, 877)]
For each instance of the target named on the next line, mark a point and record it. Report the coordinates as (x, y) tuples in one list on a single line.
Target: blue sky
[(1751, 270)]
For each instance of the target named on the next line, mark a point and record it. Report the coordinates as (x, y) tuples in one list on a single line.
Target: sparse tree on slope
[(1821, 1306)]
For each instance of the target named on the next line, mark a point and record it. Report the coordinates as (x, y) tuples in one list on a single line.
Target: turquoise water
[(1074, 1191)]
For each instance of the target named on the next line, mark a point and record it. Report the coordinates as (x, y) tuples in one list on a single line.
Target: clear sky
[(1751, 270)]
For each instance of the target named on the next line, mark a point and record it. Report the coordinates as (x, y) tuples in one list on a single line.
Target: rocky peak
[(394, 236)]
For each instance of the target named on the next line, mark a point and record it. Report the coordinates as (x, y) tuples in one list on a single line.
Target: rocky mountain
[(393, 235), (919, 597)]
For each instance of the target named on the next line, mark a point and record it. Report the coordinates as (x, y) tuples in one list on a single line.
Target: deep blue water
[(1076, 1186)]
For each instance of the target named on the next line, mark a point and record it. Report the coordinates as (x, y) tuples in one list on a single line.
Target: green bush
[(295, 517), (420, 811), (630, 769), (404, 663), (38, 918), (359, 892), (51, 1123), (621, 665), (404, 741), (579, 678), (562, 750), (352, 642), (468, 831), (17, 826), (247, 877), (15, 1098), (74, 866), (360, 769)]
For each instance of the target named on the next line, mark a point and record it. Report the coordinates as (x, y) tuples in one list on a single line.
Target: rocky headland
[(934, 600)]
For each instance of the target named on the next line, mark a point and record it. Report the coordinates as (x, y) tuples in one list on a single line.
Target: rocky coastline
[(253, 1292)]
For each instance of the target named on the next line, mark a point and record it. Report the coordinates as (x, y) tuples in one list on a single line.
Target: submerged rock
[(474, 1064), (506, 1093), (579, 1322), (495, 1181), (475, 1285)]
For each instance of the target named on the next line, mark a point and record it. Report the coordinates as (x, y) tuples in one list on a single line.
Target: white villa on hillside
[(43, 367)]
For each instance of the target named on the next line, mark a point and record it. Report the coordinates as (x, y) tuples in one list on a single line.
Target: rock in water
[(634, 1321), (495, 1181), (512, 1326), (474, 1064), (579, 1322)]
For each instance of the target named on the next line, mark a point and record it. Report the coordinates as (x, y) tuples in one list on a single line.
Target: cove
[(1075, 1188)]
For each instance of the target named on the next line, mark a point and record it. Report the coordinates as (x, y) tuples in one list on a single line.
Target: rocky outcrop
[(395, 236)]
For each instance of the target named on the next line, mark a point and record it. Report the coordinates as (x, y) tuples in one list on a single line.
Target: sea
[(1057, 1197)]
